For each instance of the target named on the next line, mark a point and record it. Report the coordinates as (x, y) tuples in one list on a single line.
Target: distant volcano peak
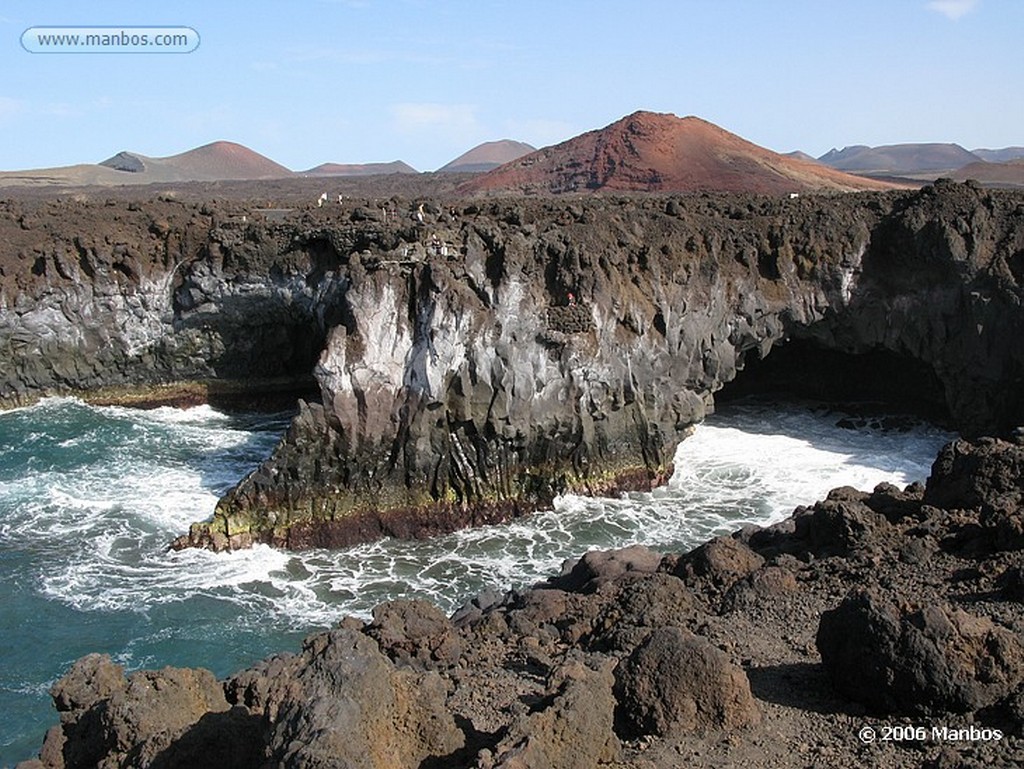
[(660, 152)]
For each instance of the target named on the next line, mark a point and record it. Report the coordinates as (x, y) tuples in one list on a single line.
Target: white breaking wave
[(102, 509), (91, 497)]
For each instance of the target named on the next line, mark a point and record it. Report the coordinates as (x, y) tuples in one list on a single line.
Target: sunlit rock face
[(475, 364)]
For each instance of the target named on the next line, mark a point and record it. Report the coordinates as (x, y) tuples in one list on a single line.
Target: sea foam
[(90, 498)]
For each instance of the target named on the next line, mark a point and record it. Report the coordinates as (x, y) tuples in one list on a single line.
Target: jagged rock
[(80, 698), (676, 681), (601, 566), (343, 704), (172, 717), (986, 475), (923, 661), (841, 524), (92, 679), (717, 565), (415, 633), (758, 588), (634, 606), (572, 728), (546, 614), (894, 503)]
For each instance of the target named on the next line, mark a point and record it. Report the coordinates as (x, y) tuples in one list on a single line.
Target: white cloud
[(953, 9), (10, 107), (460, 119)]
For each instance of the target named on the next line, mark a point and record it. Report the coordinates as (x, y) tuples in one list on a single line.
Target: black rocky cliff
[(474, 359)]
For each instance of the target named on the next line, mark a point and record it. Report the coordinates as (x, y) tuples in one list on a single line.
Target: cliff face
[(477, 363), (100, 298)]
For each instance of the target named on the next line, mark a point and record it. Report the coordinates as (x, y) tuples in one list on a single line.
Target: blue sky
[(312, 81)]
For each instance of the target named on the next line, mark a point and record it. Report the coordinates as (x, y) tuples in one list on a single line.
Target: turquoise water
[(90, 498)]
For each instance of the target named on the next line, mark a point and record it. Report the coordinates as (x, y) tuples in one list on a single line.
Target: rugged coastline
[(470, 366), (475, 358), (877, 628)]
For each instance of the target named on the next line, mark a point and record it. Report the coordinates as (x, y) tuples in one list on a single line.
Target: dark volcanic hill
[(653, 152), (904, 159), (1000, 155), (211, 162), (1009, 174), (218, 161), (360, 169), (487, 156)]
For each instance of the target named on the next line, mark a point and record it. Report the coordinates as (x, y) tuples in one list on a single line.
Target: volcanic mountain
[(1008, 174), (902, 159), (1001, 155), (211, 162), (360, 169), (487, 156), (656, 152)]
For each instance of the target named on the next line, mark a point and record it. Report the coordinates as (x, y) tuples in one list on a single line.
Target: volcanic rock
[(342, 703), (415, 633), (928, 660), (717, 565), (600, 567), (677, 681), (166, 718), (634, 673), (625, 612), (987, 474), (456, 380), (573, 727)]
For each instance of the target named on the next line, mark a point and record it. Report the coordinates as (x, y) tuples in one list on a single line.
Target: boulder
[(416, 633), (985, 474), (678, 682), (761, 588), (601, 566), (545, 617), (166, 718), (924, 661), (717, 565), (894, 503), (842, 524), (343, 704), (571, 730), (632, 608)]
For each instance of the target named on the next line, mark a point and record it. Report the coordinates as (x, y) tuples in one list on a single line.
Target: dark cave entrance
[(876, 380)]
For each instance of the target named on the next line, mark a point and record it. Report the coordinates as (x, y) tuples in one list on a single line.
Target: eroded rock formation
[(474, 364), (550, 347)]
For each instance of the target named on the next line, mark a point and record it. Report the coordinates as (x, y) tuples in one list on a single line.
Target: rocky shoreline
[(473, 359), (873, 628)]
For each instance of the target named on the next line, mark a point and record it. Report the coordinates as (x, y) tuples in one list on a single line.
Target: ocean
[(91, 496)]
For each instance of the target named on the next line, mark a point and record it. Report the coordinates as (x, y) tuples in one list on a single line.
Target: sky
[(352, 81)]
